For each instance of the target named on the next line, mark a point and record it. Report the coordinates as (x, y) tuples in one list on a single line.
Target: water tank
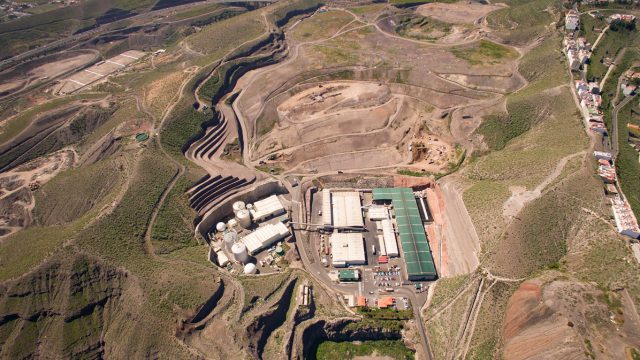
[(221, 226), (229, 239), (250, 268), (249, 206), (244, 218), (279, 250), (239, 251), (237, 206)]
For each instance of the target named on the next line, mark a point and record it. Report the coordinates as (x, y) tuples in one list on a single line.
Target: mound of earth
[(555, 319)]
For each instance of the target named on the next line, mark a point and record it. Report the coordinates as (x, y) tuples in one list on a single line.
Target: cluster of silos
[(243, 216)]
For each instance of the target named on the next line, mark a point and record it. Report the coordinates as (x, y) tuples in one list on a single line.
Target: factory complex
[(362, 228), (239, 244)]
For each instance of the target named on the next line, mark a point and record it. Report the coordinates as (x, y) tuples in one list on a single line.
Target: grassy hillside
[(524, 20)]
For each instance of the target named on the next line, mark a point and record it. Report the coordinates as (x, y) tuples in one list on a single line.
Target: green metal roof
[(348, 274), (415, 246)]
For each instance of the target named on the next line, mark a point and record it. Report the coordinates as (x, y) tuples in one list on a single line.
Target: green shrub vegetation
[(386, 314), (173, 228), (422, 28), (183, 124), (485, 52)]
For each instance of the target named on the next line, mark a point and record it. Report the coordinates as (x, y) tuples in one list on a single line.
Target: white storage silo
[(244, 218), (237, 206), (230, 238), (221, 226), (240, 253), (250, 268), (249, 206)]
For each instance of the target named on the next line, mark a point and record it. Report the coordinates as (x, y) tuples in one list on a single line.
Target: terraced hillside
[(108, 195)]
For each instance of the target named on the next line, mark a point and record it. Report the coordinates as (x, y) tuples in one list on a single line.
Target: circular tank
[(249, 206), (250, 268), (221, 226), (237, 206), (239, 251), (244, 218), (230, 238), (279, 250)]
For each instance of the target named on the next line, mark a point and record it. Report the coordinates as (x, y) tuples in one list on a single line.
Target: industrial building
[(378, 213), (389, 237), (266, 208), (349, 275), (347, 249), (341, 209), (415, 247), (264, 236)]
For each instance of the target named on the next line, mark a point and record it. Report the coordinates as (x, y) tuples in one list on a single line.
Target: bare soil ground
[(16, 200), (463, 12), (549, 318), (49, 67), (97, 72)]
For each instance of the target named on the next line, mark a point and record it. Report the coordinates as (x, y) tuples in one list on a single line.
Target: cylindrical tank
[(250, 268), (237, 206), (221, 226), (239, 251), (244, 218), (230, 238), (279, 250), (249, 206)]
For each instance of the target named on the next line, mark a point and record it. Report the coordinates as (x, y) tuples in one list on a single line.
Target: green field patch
[(394, 349), (215, 40), (485, 52), (608, 48), (423, 28), (321, 25)]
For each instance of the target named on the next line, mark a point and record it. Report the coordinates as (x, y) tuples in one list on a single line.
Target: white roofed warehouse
[(347, 249), (265, 236), (266, 208), (346, 209)]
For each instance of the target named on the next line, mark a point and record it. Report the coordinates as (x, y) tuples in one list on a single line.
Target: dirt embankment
[(52, 132), (553, 319), (259, 331)]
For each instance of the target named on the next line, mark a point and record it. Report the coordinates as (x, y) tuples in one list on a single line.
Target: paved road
[(613, 141)]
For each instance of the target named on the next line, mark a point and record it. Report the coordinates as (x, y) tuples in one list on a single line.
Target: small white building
[(574, 62), (389, 236), (265, 208), (326, 208), (377, 213), (572, 21)]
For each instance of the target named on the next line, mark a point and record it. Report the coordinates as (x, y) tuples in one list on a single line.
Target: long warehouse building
[(415, 247), (265, 236)]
